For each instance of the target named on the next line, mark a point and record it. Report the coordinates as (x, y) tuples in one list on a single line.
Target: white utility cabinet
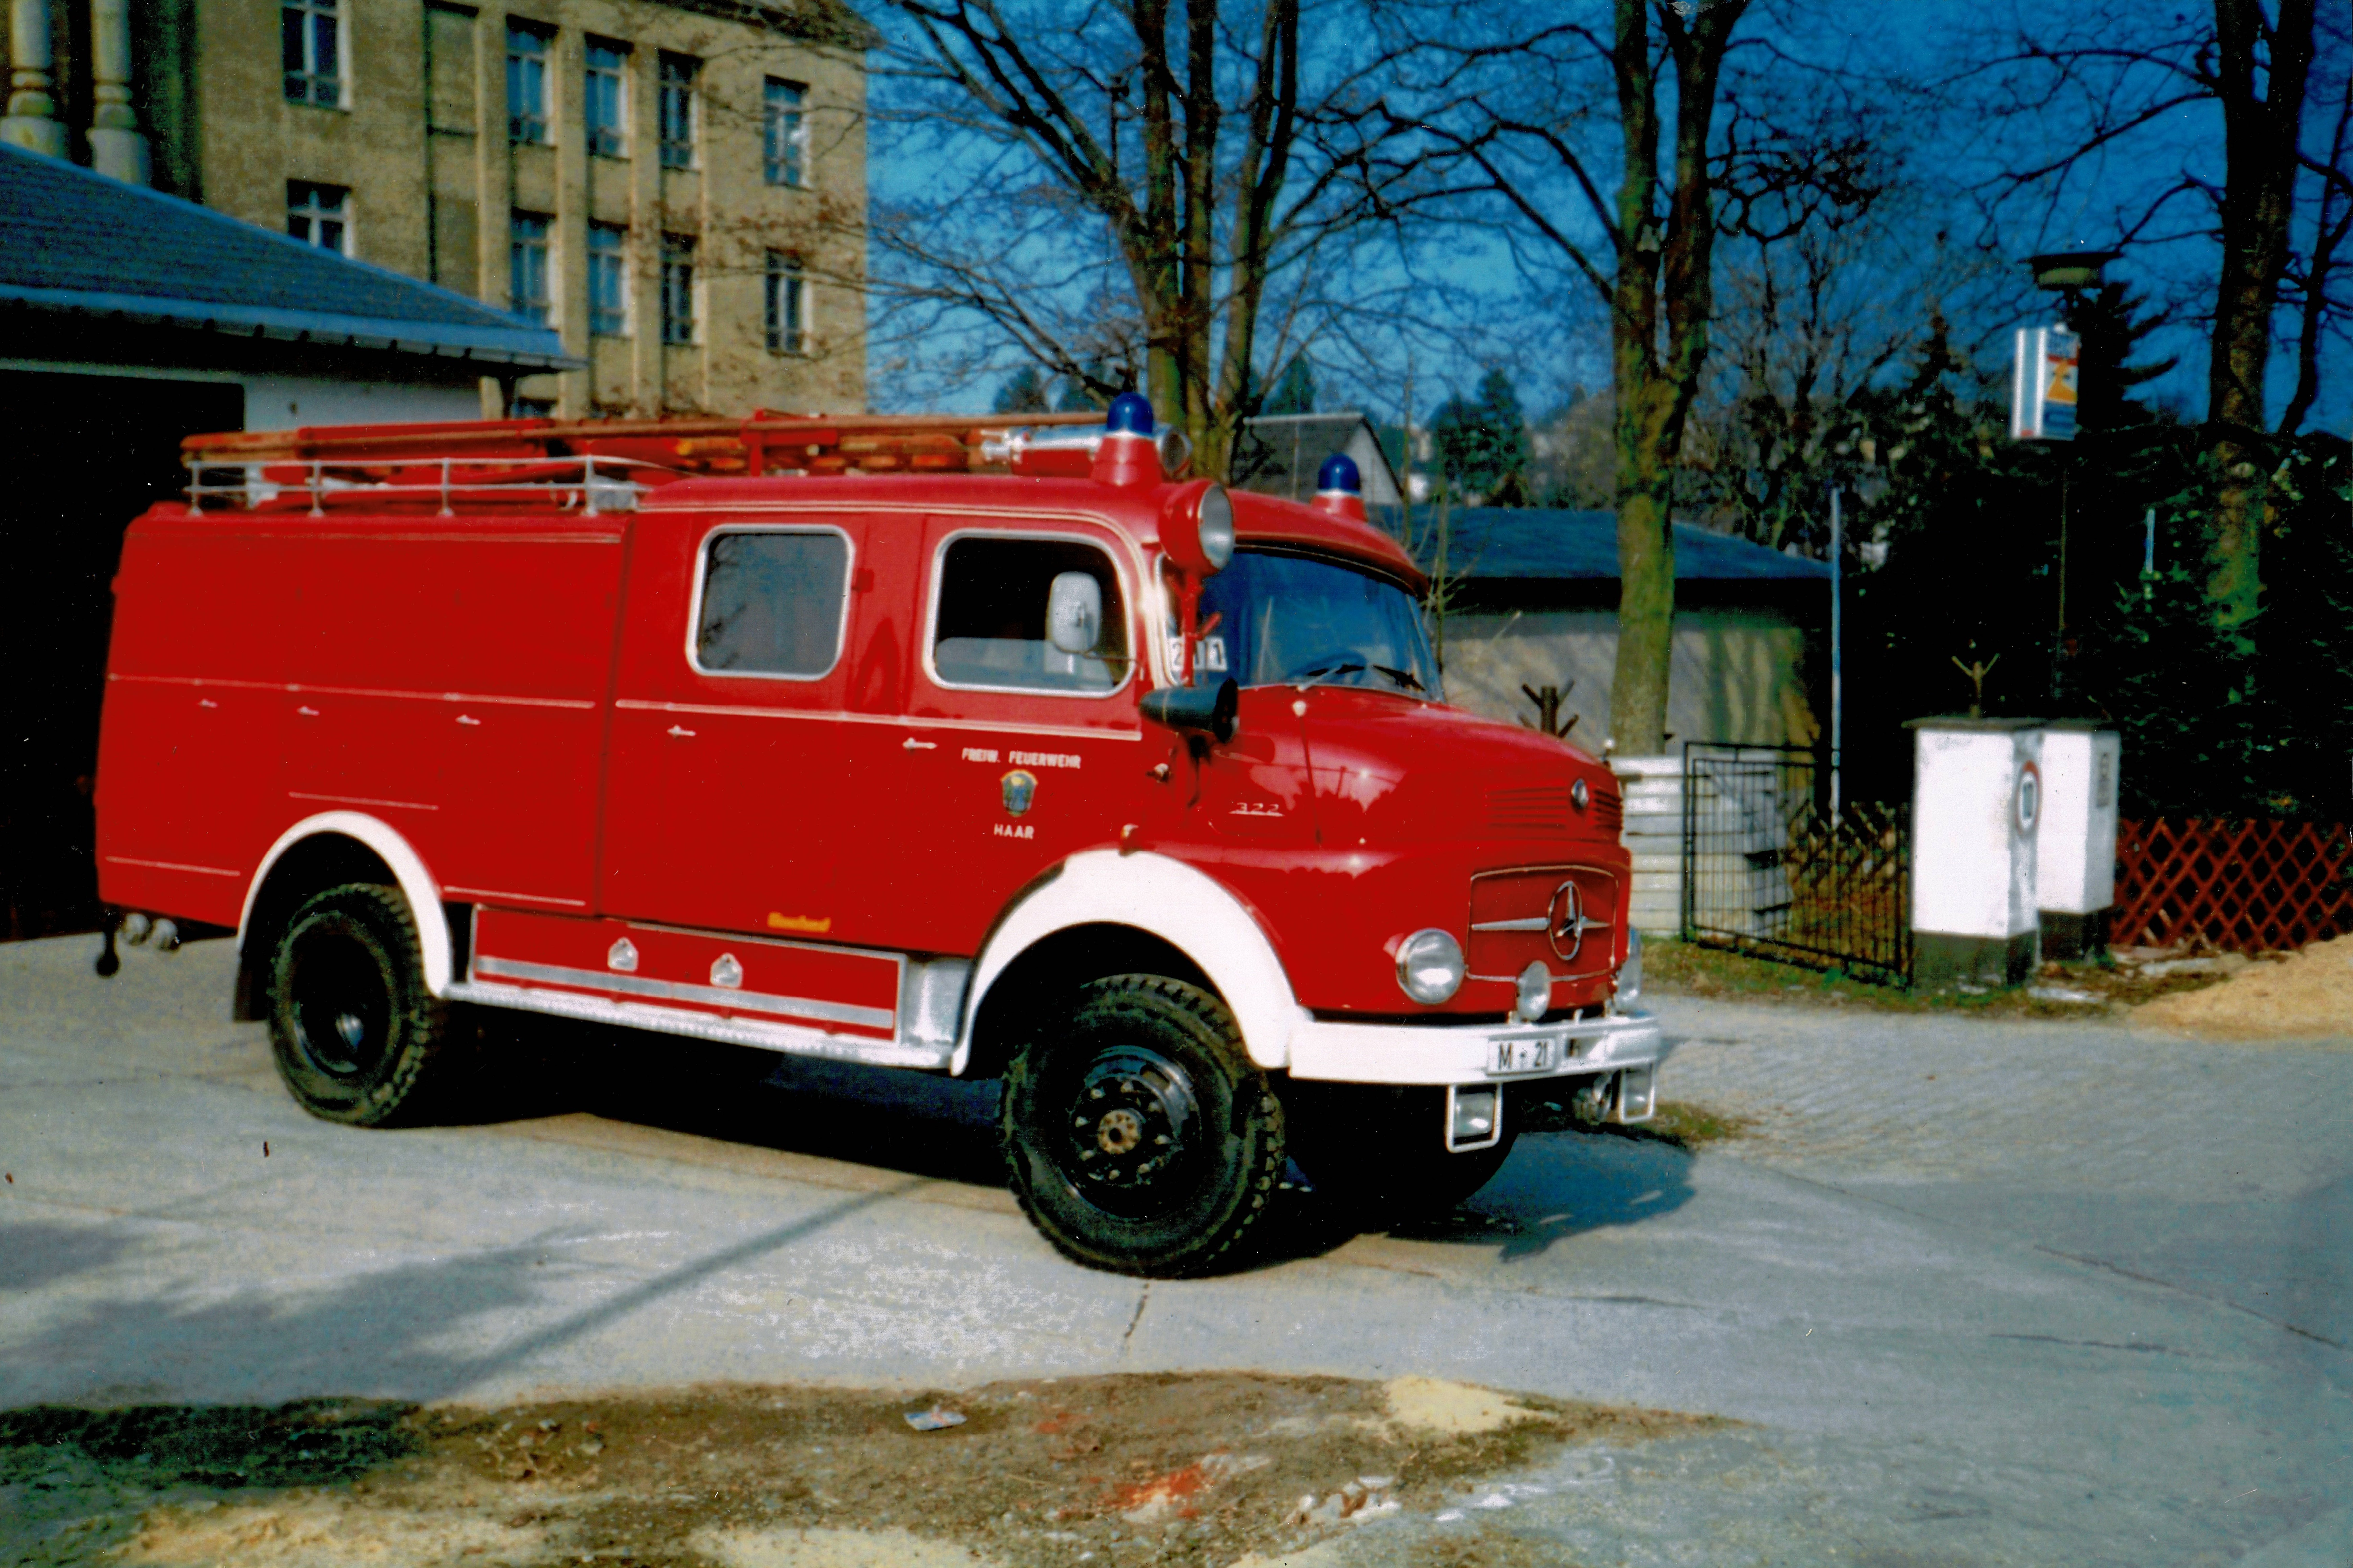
[(2075, 845), (1977, 801)]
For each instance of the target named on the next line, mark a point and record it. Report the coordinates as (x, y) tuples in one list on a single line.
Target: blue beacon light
[(1338, 476), (1130, 414)]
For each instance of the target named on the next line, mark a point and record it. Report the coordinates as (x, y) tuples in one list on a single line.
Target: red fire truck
[(905, 742)]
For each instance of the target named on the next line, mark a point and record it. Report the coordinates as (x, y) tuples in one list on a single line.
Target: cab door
[(729, 786), (1007, 755)]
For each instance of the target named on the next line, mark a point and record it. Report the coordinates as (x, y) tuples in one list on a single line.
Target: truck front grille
[(1516, 916)]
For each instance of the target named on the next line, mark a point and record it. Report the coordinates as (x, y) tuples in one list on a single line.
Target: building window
[(526, 84), (785, 134), (319, 216), (678, 74), (310, 37), (609, 279), (527, 294), (606, 101), (678, 289), (788, 305)]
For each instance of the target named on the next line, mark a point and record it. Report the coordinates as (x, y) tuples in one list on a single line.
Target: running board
[(788, 1039)]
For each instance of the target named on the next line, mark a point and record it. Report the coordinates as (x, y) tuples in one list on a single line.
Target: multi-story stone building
[(677, 186)]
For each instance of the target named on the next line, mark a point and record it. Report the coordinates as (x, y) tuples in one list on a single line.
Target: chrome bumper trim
[(1409, 1053)]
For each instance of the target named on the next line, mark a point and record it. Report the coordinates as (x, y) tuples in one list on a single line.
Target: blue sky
[(1483, 310)]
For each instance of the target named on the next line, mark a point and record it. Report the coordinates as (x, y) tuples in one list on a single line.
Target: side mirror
[(1198, 710), (1074, 613)]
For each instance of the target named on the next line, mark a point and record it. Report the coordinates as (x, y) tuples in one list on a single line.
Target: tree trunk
[(1655, 382), (2260, 146)]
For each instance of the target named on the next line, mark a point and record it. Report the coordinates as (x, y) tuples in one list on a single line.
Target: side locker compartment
[(188, 739), (807, 998)]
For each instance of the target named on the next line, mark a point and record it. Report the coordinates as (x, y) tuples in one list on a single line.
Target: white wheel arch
[(1184, 908), (416, 884)]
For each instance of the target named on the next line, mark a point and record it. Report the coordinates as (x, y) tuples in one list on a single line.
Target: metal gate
[(1770, 867)]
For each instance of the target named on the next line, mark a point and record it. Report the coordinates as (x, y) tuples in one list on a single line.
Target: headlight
[(1535, 990), (1430, 966), (1217, 515), (1629, 973), (1197, 527)]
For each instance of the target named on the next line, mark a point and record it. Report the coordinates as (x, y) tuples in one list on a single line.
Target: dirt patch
[(1444, 1409), (1198, 1470), (2300, 996)]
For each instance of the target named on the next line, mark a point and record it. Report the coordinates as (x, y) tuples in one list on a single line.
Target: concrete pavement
[(1986, 1291)]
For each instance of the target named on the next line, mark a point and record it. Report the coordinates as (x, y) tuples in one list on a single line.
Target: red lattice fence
[(2245, 887)]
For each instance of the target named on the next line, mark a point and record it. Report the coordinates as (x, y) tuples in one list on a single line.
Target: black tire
[(1380, 1153), (1136, 1134), (357, 1036)]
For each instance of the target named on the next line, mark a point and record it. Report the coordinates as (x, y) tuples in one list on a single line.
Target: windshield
[(1277, 620)]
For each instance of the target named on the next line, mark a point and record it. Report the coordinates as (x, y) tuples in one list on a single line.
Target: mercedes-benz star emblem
[(1565, 923)]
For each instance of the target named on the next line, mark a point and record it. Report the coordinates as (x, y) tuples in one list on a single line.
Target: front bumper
[(1626, 1045)]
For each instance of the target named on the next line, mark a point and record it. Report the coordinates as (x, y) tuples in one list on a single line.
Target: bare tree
[(1640, 234), (2092, 90), (2315, 273), (1166, 191)]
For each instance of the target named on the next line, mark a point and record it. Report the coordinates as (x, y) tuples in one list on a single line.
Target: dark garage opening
[(93, 452)]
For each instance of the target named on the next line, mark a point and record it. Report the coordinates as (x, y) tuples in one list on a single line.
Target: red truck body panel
[(513, 689)]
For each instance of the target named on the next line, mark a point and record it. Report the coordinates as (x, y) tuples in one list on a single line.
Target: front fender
[(1190, 911)]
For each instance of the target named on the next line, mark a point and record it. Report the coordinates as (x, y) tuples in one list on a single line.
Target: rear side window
[(773, 604), (991, 627)]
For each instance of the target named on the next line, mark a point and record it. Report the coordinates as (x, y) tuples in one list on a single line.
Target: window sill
[(325, 108)]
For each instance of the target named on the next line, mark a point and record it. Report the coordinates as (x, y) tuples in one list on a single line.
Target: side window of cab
[(1013, 613), (771, 602)]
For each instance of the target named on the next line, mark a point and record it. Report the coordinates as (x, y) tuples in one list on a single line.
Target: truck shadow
[(1556, 1186), (1561, 1180)]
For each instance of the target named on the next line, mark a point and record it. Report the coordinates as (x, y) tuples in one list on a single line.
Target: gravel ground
[(1973, 1289)]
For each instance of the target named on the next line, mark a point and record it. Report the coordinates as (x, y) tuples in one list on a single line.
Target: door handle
[(683, 733), (913, 744), (307, 711)]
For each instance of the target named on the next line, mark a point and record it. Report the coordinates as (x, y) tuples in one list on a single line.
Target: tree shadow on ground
[(423, 1330), (33, 1254)]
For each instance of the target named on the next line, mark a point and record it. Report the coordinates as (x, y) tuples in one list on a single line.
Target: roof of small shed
[(1528, 544)]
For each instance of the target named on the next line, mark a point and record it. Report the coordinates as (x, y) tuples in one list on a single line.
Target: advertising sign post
[(2044, 373)]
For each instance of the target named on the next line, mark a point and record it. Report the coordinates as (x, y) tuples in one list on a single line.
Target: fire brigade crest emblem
[(1021, 788)]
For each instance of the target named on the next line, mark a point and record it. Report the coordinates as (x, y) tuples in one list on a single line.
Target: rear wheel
[(1381, 1152), (358, 1037), (1137, 1135)]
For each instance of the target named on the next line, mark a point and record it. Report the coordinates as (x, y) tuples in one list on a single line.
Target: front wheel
[(1137, 1135), (357, 1036)]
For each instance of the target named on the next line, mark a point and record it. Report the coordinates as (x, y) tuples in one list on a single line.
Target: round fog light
[(1430, 966), (1535, 992)]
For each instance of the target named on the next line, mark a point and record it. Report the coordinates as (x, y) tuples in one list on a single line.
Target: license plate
[(1539, 1053)]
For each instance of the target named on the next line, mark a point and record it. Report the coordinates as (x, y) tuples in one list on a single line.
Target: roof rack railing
[(588, 483), (766, 443)]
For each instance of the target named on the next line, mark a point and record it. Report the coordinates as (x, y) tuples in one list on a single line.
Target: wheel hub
[(1129, 1121), (342, 1001)]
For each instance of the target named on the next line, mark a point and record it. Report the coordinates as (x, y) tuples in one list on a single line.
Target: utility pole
[(1838, 619)]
